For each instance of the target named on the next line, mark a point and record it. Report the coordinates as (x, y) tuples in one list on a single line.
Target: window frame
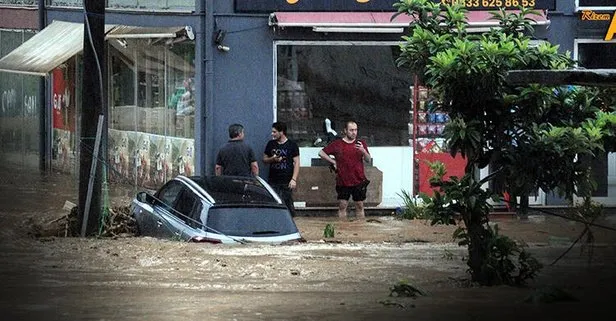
[(188, 214), (2, 4), (117, 9), (351, 43), (578, 41), (579, 8)]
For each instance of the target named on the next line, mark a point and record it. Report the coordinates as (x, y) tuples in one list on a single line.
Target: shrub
[(414, 207)]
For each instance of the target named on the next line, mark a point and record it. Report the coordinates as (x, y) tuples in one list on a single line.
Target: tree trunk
[(522, 209), (479, 237)]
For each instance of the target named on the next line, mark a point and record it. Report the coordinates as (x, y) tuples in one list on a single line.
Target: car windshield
[(251, 221), (235, 189)]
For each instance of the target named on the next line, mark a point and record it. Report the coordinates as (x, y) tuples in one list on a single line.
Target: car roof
[(235, 189)]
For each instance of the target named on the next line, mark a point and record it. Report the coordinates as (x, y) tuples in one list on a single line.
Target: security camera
[(189, 32), (223, 48)]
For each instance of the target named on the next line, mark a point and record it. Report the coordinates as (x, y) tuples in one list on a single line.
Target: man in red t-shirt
[(349, 155)]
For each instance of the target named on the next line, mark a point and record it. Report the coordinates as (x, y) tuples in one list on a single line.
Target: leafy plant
[(329, 231), (500, 265), (516, 129), (413, 208)]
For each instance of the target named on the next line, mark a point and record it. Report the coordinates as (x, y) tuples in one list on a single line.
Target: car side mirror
[(144, 197)]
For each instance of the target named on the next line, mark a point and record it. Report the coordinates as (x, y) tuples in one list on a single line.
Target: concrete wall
[(243, 80)]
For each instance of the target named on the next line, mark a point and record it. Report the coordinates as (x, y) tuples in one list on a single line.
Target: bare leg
[(342, 208), (359, 210)]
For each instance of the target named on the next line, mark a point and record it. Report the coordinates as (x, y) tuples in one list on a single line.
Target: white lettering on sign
[(9, 101), (30, 106)]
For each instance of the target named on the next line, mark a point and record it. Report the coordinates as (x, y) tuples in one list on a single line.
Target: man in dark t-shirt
[(282, 155), (236, 158)]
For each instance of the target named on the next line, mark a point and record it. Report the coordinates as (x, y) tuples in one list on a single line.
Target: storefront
[(335, 62), (151, 97), (595, 48), (180, 72)]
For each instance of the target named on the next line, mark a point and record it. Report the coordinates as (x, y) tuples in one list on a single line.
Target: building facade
[(179, 72), (586, 28)]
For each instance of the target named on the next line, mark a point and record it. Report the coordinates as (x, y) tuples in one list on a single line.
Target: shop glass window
[(152, 4), (152, 109), (65, 3), (601, 55), (19, 108), (127, 4), (152, 87), (340, 83), (596, 3), (19, 2)]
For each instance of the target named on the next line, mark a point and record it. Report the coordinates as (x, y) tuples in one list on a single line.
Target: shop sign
[(496, 4), (377, 5), (590, 15), (63, 104)]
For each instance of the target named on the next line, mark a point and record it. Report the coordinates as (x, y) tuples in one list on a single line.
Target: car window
[(230, 189), (169, 193), (251, 221), (195, 214), (188, 207)]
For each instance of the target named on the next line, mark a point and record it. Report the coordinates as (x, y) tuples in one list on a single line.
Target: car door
[(187, 211), (163, 218)]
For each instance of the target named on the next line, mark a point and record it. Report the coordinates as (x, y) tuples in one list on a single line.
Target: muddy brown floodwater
[(140, 278)]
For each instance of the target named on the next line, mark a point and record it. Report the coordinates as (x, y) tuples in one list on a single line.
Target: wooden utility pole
[(93, 104)]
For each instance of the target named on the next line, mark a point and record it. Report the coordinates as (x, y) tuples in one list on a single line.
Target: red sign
[(63, 100), (454, 167)]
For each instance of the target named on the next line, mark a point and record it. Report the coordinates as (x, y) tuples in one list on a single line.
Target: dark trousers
[(286, 194)]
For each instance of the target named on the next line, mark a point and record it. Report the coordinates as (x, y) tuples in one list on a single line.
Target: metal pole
[(92, 105), (97, 144), (44, 139)]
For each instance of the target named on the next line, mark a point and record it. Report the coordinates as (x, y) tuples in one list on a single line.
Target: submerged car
[(215, 209)]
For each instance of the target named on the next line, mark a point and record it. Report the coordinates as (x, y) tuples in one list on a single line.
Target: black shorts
[(358, 192)]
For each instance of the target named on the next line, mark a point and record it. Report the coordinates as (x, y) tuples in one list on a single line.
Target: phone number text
[(491, 3)]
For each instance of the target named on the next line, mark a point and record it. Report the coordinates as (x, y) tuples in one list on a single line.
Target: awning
[(150, 32), (47, 49), (373, 22), (62, 40)]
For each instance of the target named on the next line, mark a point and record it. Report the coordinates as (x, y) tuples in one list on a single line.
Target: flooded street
[(346, 278)]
